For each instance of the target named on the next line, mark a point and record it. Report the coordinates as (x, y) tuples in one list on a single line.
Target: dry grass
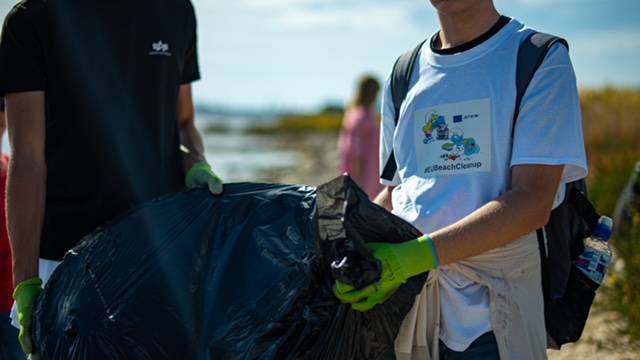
[(612, 134), (321, 122)]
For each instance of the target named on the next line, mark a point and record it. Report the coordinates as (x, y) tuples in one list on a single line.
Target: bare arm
[(384, 198), (26, 186), (356, 165), (190, 137), (519, 211)]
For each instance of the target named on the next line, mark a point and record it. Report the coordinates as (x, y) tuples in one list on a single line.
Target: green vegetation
[(326, 121), (216, 128), (623, 291), (612, 135)]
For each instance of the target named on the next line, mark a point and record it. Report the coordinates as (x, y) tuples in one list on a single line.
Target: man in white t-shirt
[(462, 178)]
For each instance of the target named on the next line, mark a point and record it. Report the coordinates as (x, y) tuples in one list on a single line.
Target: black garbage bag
[(247, 275)]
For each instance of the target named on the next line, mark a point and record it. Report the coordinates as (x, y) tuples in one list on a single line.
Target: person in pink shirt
[(360, 137)]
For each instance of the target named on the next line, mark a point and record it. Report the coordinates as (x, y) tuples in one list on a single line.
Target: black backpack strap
[(400, 80), (531, 54), (583, 206)]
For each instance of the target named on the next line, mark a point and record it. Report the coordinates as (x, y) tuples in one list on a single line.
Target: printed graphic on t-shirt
[(454, 138), (160, 48)]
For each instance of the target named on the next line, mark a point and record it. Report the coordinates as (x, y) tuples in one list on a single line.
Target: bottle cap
[(604, 229)]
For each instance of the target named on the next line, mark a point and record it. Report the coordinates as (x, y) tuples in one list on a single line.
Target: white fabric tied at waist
[(512, 275)]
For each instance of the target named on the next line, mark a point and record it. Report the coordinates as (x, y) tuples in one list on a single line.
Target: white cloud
[(5, 6), (332, 14), (614, 42), (357, 18)]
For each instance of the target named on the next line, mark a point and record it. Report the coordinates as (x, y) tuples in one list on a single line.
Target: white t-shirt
[(453, 147)]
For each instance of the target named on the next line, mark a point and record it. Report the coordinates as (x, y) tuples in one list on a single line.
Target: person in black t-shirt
[(99, 107)]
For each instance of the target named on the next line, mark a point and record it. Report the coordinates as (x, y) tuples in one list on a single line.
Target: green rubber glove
[(201, 175), (399, 263), (25, 296)]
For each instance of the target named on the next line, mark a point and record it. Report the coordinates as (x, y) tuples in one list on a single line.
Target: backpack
[(568, 294)]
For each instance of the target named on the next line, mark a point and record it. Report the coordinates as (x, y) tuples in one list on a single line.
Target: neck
[(461, 27)]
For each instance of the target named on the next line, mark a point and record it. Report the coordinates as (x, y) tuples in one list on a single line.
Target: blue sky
[(304, 53)]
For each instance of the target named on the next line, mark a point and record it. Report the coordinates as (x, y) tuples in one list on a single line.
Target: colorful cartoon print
[(435, 122), (459, 146)]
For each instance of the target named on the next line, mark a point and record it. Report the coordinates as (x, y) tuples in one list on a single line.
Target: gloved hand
[(25, 296), (201, 175), (399, 262)]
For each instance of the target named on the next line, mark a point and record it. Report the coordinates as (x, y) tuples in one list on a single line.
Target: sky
[(303, 54)]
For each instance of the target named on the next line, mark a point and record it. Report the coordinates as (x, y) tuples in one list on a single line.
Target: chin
[(453, 6)]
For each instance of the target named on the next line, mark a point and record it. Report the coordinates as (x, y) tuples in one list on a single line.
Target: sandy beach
[(319, 159), (601, 340)]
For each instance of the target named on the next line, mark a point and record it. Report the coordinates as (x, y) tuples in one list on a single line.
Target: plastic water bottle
[(597, 256)]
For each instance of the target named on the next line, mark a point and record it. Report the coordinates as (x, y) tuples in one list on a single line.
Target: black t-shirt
[(111, 71)]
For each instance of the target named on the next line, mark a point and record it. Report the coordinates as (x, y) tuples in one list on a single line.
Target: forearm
[(26, 189), (192, 145), (497, 223), (384, 198)]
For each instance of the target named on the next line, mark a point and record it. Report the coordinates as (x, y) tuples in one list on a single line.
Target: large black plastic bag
[(247, 275)]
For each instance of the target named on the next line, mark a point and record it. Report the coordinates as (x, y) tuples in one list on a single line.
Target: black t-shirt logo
[(159, 48)]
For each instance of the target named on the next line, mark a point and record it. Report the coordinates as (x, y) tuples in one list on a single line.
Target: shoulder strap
[(531, 54), (400, 81), (577, 197), (401, 77)]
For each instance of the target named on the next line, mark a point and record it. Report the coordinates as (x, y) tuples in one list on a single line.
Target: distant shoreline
[(327, 121)]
